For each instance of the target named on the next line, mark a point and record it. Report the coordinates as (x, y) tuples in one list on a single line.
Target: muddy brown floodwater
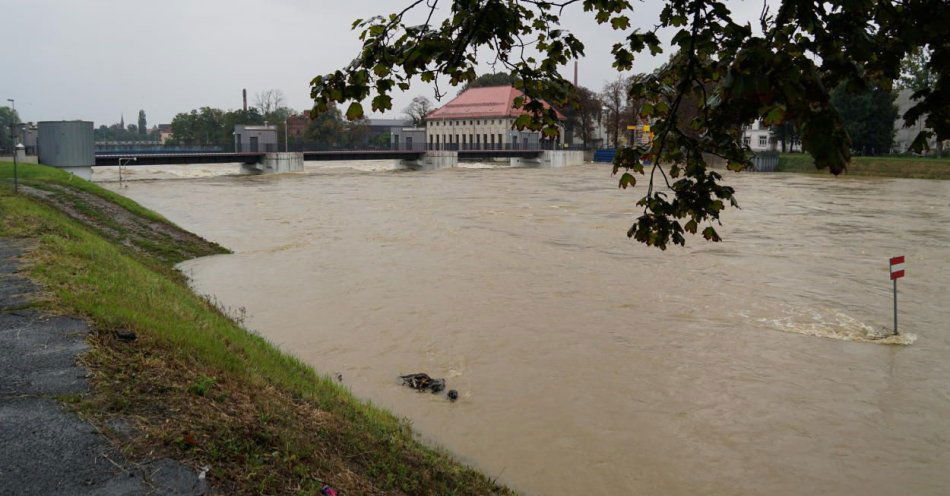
[(586, 363)]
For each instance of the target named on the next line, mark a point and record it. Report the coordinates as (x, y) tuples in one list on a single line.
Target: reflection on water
[(586, 362)]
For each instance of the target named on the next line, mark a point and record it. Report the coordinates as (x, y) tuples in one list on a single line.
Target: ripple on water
[(832, 324)]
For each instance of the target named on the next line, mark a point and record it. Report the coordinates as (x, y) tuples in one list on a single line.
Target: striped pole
[(897, 271)]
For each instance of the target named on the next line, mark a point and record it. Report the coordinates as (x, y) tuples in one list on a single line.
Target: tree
[(143, 124), (418, 109), (614, 98), (869, 117), (782, 71), (9, 118), (587, 111), (268, 101), (916, 73), (917, 76), (490, 79), (328, 129)]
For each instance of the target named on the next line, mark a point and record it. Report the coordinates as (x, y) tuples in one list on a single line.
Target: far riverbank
[(889, 166)]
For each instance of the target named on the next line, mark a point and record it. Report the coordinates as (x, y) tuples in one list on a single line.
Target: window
[(499, 138), (763, 140), (747, 141)]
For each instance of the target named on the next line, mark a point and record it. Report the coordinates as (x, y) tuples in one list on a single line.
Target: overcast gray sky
[(99, 59)]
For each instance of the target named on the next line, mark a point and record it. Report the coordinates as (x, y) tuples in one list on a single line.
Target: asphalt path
[(45, 449)]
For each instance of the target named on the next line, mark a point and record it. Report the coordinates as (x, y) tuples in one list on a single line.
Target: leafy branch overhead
[(722, 75)]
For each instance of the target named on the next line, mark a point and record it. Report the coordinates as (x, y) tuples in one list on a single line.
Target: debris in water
[(339, 377), (453, 394), (422, 382)]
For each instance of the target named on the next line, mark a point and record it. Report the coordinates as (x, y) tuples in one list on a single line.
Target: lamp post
[(13, 125), (16, 146)]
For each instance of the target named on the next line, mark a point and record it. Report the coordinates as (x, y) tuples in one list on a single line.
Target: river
[(585, 362)]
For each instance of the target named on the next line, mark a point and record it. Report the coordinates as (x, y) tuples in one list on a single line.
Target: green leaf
[(710, 234), (355, 111), (627, 180), (381, 70)]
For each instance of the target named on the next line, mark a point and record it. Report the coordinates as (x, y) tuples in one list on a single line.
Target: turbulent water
[(586, 363)]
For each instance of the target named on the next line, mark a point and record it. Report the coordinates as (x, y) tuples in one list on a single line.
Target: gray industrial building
[(28, 135), (255, 138), (408, 138), (67, 144)]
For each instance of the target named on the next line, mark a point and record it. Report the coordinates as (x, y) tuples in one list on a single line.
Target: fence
[(423, 147), (120, 149), (765, 161)]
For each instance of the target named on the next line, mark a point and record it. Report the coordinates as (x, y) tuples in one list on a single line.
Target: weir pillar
[(437, 159), (277, 163)]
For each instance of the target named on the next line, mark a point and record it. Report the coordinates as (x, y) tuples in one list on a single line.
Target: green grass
[(33, 174), (890, 166), (202, 388)]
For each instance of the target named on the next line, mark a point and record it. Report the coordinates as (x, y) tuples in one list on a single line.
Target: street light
[(13, 126)]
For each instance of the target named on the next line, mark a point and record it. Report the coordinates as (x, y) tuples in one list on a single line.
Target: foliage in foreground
[(200, 388), (729, 72)]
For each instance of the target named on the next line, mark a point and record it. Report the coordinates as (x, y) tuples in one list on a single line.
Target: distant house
[(758, 137), (297, 126), (481, 118), (164, 133), (255, 138)]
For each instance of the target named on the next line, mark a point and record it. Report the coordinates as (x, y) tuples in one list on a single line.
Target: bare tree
[(614, 98), (418, 109), (269, 100), (585, 113)]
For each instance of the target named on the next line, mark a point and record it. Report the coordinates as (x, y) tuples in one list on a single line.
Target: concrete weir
[(437, 159), (277, 163), (550, 159)]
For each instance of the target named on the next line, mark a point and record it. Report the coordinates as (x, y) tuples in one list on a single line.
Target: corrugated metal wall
[(66, 143)]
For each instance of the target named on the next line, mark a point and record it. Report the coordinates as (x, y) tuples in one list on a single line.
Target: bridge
[(249, 158)]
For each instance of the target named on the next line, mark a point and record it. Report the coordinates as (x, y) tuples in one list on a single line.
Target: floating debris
[(422, 382), (453, 394)]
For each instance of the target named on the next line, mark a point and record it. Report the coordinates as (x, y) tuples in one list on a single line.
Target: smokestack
[(244, 91), (575, 73)]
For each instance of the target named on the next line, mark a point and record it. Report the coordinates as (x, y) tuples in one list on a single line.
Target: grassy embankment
[(194, 384), (912, 167)]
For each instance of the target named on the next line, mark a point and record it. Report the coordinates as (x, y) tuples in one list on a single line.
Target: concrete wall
[(277, 163), (439, 159), (562, 158)]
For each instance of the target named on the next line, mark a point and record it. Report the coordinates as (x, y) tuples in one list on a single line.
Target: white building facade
[(481, 119)]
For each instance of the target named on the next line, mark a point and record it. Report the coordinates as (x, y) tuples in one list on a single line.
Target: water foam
[(833, 324)]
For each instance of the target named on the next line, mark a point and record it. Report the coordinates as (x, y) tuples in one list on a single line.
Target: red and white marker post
[(897, 271)]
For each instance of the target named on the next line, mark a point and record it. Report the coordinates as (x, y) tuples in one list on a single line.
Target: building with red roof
[(480, 118)]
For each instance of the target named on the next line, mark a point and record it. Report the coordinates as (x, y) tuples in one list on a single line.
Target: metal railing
[(423, 147)]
